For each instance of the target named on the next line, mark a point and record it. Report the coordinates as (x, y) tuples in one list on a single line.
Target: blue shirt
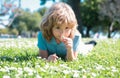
[(53, 47)]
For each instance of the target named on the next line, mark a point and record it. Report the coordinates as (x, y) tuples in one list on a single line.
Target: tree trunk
[(75, 4), (110, 28), (87, 32)]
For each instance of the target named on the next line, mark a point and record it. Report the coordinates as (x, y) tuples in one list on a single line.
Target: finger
[(55, 60), (51, 59), (55, 56), (68, 43)]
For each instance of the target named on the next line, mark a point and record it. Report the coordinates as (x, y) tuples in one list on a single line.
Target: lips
[(62, 38)]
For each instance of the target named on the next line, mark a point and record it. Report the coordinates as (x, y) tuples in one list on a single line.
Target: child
[(59, 36)]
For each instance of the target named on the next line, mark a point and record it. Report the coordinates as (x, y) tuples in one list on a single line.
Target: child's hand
[(68, 42), (52, 58)]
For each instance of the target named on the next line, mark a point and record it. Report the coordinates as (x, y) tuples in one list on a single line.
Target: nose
[(61, 32)]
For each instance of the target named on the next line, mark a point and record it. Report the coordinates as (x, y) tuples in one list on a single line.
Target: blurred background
[(96, 18)]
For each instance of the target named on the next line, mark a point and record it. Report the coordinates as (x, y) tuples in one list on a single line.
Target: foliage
[(22, 27), (27, 22), (42, 11), (14, 32), (110, 9), (9, 31), (18, 59), (3, 31), (89, 14), (42, 2)]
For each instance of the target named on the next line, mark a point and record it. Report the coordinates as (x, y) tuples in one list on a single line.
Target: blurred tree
[(42, 2), (33, 21), (111, 9), (9, 9), (42, 11), (14, 32), (89, 15), (4, 31), (22, 27), (27, 22)]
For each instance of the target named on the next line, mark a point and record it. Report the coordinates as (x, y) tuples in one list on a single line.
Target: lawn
[(19, 59)]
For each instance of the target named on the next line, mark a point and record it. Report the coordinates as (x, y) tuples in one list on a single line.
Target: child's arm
[(52, 58), (69, 45), (71, 55), (44, 54)]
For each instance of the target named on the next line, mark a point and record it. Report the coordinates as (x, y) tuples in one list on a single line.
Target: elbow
[(70, 59)]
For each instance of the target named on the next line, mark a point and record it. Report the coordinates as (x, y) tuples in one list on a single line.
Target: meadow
[(19, 59)]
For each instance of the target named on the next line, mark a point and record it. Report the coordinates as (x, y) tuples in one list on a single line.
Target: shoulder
[(39, 33), (41, 37), (77, 35), (41, 41)]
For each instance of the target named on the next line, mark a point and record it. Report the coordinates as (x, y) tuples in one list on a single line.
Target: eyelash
[(67, 28), (59, 28)]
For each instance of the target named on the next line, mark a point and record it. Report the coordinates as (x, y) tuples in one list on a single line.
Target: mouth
[(62, 38)]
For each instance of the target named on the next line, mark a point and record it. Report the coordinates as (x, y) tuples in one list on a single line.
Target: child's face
[(61, 31)]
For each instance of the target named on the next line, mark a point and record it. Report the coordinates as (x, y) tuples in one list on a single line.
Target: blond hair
[(58, 14)]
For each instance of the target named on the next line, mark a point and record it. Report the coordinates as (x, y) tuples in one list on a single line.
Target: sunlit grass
[(19, 59)]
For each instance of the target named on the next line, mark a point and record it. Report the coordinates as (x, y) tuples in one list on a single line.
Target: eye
[(66, 27), (57, 27)]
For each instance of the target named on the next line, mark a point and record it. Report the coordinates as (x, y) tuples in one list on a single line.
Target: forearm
[(43, 54), (70, 55)]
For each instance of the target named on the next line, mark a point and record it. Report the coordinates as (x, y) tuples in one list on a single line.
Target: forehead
[(63, 25)]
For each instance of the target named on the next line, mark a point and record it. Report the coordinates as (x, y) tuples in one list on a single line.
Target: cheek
[(55, 33), (68, 33)]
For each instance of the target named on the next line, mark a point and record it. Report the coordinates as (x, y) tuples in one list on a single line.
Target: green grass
[(19, 59)]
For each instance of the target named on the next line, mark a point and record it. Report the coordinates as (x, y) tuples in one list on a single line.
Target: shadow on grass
[(18, 58)]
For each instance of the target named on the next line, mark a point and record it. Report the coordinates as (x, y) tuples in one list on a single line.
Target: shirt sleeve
[(41, 42), (76, 42)]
